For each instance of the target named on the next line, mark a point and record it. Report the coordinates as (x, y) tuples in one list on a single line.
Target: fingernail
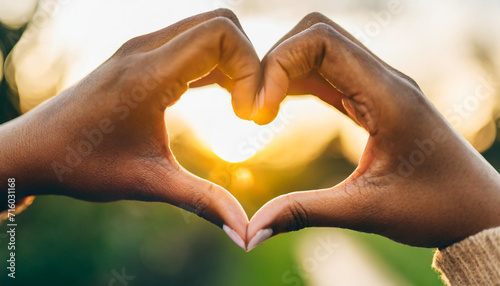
[(261, 236), (234, 237), (261, 98)]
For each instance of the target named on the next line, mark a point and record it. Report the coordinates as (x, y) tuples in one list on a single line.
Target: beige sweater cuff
[(472, 261)]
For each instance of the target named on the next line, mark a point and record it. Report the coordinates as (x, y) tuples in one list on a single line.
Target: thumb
[(339, 206), (205, 199)]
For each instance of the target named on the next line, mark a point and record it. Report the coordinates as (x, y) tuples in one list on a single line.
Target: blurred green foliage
[(62, 241), (8, 38)]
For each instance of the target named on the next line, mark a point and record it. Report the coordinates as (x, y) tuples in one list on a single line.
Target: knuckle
[(407, 99), (407, 78), (299, 217), (119, 74), (313, 18), (225, 12), (131, 46), (222, 23), (320, 29), (300, 55), (218, 27)]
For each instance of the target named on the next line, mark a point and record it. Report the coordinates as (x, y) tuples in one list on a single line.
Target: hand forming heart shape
[(112, 142)]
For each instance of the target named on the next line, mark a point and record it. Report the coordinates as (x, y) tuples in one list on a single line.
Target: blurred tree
[(9, 100)]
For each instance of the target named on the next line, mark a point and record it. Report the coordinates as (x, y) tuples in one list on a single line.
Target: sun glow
[(230, 141), (209, 111), (72, 47)]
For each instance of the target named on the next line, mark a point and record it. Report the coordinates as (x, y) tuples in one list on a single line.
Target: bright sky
[(429, 41)]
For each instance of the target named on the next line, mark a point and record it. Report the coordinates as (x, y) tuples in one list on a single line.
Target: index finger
[(314, 18), (345, 65), (194, 53), (158, 38)]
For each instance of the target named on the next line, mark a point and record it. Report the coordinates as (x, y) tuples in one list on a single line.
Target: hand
[(418, 181), (105, 139)]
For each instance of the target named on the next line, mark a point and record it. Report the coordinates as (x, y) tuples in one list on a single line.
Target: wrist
[(18, 162)]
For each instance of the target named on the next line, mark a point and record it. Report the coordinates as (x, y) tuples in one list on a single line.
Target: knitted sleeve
[(472, 261)]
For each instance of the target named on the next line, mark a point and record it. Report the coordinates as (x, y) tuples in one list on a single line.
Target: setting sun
[(229, 137), (232, 143)]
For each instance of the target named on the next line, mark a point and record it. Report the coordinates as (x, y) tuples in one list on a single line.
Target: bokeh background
[(449, 47)]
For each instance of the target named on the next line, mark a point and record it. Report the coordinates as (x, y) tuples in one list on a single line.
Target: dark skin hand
[(105, 139), (445, 192)]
